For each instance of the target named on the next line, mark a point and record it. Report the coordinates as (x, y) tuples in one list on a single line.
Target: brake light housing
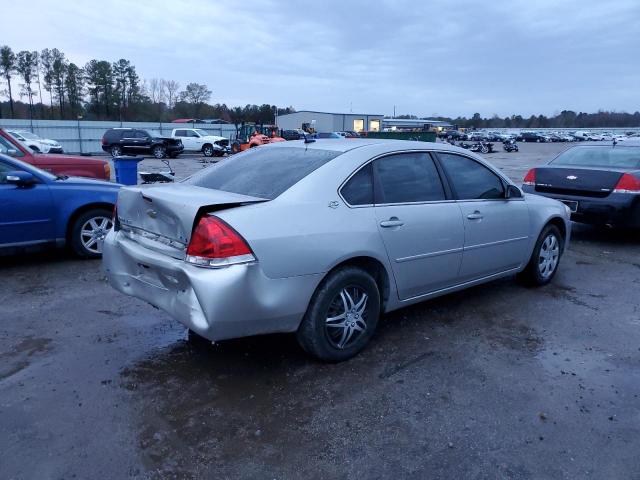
[(214, 243), (628, 183), (530, 178)]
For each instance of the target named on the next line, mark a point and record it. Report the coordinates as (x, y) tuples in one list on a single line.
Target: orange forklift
[(251, 135)]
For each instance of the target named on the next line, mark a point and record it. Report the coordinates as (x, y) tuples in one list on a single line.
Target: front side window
[(181, 133), (359, 189), (262, 172), (140, 134), (406, 178), (470, 179), (4, 169)]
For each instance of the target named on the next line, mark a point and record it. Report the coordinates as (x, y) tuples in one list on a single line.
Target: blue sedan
[(38, 208)]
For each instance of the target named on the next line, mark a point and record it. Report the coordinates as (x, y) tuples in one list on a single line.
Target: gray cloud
[(441, 57)]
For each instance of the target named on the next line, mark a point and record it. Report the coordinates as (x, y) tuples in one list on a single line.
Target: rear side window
[(359, 189), (470, 179), (406, 178), (262, 172)]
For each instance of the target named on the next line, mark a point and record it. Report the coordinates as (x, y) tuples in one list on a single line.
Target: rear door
[(496, 229), (26, 215), (421, 227)]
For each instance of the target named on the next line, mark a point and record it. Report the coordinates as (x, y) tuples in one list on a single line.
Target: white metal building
[(331, 122)]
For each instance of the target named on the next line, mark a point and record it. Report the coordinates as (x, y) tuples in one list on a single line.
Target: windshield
[(262, 172), (29, 135), (202, 133), (613, 157)]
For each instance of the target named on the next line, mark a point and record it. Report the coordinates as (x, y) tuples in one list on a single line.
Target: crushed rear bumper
[(217, 303)]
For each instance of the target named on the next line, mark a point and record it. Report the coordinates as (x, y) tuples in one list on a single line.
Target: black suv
[(533, 137), (135, 141)]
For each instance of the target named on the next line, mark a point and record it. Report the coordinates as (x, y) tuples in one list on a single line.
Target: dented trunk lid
[(162, 216)]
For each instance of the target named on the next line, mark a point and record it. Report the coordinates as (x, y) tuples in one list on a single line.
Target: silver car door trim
[(497, 242), (429, 255), (461, 285)]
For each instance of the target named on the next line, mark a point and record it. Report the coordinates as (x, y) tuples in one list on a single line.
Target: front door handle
[(392, 222), (475, 215)]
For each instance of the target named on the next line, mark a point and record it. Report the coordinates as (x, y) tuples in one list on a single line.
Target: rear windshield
[(614, 157), (262, 172)]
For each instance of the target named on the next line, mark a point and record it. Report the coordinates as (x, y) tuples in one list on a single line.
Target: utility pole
[(394, 111)]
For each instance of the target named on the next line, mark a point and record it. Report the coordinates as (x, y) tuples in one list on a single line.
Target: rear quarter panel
[(69, 199)]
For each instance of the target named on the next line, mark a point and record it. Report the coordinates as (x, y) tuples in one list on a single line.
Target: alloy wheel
[(347, 317), (93, 232), (549, 255)]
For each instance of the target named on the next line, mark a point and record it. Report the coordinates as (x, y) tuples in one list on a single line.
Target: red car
[(72, 166)]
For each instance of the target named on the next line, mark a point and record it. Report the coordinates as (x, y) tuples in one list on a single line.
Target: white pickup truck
[(198, 140)]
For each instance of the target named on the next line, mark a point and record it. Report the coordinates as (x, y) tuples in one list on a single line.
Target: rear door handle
[(392, 222), (475, 215)]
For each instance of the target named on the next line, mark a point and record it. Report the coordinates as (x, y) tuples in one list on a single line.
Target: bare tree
[(172, 88), (7, 69), (155, 90)]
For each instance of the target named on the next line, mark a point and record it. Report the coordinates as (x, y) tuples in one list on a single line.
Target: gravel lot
[(499, 381)]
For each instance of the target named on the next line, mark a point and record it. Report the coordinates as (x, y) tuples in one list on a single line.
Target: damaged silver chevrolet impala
[(322, 238)]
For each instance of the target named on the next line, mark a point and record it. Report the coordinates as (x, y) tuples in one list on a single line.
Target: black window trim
[(448, 192), (503, 179)]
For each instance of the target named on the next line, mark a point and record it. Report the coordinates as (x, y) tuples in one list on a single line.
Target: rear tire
[(545, 259), (116, 151), (342, 316), (88, 232)]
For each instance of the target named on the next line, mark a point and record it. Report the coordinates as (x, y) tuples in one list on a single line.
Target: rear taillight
[(530, 178), (215, 244), (628, 183)]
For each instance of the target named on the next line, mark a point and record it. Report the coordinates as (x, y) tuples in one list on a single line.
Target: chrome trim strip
[(429, 255), (498, 242)]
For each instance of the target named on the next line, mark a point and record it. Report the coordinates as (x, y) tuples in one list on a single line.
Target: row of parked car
[(537, 136)]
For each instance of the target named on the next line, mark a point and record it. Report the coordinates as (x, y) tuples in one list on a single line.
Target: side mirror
[(12, 152), (21, 179), (513, 192)]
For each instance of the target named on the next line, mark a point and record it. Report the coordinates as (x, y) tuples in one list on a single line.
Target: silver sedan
[(322, 237)]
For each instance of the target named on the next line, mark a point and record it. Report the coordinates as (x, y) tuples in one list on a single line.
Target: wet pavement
[(499, 381)]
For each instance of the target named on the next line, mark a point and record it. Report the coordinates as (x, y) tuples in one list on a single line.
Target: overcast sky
[(445, 57)]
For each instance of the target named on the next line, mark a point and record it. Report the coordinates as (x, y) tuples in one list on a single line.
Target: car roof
[(345, 145)]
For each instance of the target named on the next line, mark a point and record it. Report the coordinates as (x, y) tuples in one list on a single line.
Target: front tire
[(159, 152), (88, 232), (342, 316), (207, 151), (545, 259)]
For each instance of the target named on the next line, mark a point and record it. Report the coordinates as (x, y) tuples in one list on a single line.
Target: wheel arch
[(374, 267)]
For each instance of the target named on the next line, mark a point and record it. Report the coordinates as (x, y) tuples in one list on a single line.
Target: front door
[(26, 215), (421, 228), (496, 228)]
